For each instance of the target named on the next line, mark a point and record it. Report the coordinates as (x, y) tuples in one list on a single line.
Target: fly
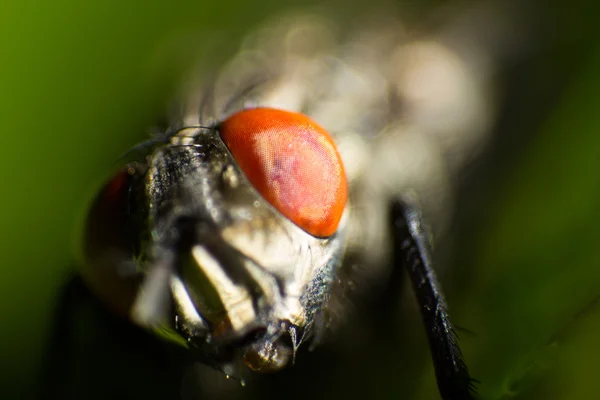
[(232, 232)]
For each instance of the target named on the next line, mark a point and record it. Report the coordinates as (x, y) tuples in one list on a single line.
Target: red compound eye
[(293, 163), (108, 244)]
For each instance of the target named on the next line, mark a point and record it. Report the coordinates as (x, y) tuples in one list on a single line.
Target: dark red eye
[(108, 246), (293, 163)]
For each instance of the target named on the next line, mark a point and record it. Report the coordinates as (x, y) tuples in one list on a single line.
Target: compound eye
[(293, 163), (107, 245)]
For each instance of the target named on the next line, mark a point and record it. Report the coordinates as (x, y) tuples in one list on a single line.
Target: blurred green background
[(81, 82)]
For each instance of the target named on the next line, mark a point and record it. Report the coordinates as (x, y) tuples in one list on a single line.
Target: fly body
[(232, 231)]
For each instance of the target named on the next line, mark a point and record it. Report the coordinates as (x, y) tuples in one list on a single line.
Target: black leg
[(93, 354), (412, 252), (58, 360)]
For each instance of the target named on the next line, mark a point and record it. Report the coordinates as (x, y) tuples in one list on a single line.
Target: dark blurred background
[(82, 82)]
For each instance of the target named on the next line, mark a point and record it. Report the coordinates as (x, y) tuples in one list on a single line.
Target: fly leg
[(412, 252), (95, 355), (57, 363)]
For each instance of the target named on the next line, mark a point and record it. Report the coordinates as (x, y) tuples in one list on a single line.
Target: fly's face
[(230, 235)]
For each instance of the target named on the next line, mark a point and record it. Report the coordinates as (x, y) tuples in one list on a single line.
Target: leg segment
[(412, 252)]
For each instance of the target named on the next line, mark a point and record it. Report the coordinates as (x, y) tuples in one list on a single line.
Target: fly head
[(232, 254)]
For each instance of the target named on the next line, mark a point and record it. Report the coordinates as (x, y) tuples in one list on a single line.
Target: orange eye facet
[(293, 163)]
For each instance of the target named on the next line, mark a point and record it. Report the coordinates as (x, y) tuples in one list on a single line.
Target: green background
[(81, 82)]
